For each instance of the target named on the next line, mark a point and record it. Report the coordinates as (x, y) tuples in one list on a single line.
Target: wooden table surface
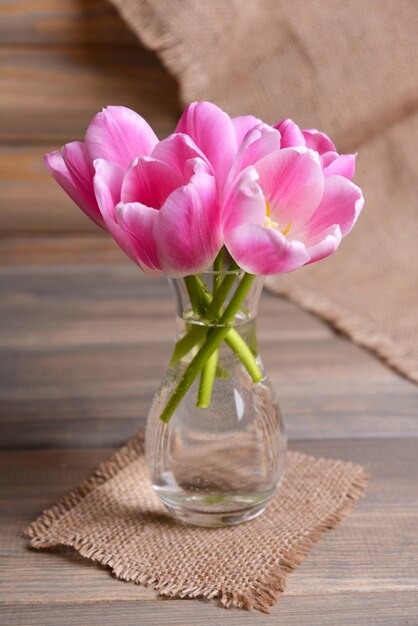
[(85, 338), (82, 350)]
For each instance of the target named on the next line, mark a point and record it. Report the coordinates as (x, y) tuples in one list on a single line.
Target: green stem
[(195, 294), (214, 337), (218, 266), (244, 353), (196, 333), (207, 379), (187, 342)]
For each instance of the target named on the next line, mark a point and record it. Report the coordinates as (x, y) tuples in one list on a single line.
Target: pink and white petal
[(107, 185), (327, 158), (80, 192), (323, 244), (292, 181), (150, 182), (341, 204), (213, 132), (242, 124), (258, 142), (320, 142), (119, 135), (260, 250), (245, 201), (188, 233), (291, 135), (335, 164), (180, 152), (138, 222), (79, 165)]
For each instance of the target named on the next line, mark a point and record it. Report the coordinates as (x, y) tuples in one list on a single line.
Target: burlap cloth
[(349, 68), (115, 518)]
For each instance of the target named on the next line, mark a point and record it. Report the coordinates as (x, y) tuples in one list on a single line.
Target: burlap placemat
[(347, 68), (116, 519)]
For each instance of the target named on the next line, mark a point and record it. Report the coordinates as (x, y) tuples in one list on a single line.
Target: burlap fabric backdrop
[(350, 69)]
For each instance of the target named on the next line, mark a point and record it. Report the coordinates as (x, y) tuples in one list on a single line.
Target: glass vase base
[(216, 519)]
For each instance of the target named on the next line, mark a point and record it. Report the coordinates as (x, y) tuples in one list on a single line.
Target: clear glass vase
[(218, 457)]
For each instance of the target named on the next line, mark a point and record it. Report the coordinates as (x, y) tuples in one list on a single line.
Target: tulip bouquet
[(220, 192)]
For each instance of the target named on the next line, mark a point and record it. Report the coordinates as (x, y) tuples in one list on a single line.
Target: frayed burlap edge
[(360, 330), (265, 592), (269, 590), (149, 26)]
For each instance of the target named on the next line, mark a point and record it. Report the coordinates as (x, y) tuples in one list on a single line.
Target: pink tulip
[(332, 162), (170, 210), (292, 205), (114, 138), (286, 194), (157, 199), (216, 134), (117, 135)]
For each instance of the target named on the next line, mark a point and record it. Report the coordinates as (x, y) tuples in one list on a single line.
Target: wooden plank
[(61, 21), (31, 201), (106, 413), (371, 609), (84, 348), (48, 250), (371, 554), (50, 94)]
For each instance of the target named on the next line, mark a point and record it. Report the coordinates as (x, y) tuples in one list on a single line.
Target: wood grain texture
[(31, 202), (371, 555), (371, 609), (47, 250), (62, 21), (49, 94), (84, 348)]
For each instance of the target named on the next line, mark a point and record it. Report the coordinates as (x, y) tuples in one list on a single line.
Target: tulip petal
[(245, 201), (292, 181), (213, 132), (335, 164), (75, 176), (260, 250), (320, 142), (107, 182), (242, 124), (258, 142), (150, 182), (138, 222), (341, 204), (107, 185), (188, 236), (324, 244), (181, 153), (291, 135), (80, 168), (119, 135)]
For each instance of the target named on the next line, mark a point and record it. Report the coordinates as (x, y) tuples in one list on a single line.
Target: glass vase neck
[(207, 297)]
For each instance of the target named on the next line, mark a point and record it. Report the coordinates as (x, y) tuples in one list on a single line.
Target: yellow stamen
[(268, 222), (268, 209)]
